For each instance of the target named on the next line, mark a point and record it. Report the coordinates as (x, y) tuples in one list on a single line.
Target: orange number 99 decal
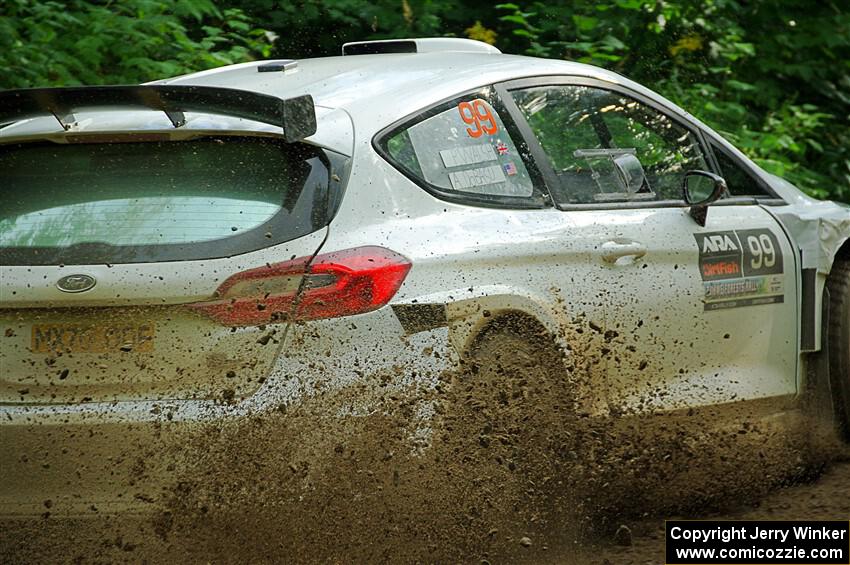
[(478, 115)]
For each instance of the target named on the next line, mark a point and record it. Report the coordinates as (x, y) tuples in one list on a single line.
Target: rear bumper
[(128, 457)]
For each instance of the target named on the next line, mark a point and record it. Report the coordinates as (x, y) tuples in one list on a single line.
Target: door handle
[(613, 251)]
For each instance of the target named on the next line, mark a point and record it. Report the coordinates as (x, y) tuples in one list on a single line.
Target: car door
[(495, 243), (694, 315)]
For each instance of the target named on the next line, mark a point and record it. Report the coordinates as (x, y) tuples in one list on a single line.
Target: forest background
[(772, 76)]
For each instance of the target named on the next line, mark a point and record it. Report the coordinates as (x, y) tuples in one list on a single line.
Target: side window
[(740, 181), (598, 141), (462, 149)]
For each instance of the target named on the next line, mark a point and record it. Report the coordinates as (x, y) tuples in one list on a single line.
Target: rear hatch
[(134, 266)]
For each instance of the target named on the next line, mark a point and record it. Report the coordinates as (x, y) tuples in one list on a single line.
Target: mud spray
[(499, 462)]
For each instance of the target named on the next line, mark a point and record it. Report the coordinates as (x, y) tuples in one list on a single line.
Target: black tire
[(838, 284), (508, 415)]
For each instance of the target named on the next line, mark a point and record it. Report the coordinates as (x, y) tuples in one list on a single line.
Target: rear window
[(464, 151), (157, 201)]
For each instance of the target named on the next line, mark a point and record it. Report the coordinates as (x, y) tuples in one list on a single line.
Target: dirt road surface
[(827, 498), (387, 516)]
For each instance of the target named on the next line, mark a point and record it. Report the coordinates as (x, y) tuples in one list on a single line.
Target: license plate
[(95, 338)]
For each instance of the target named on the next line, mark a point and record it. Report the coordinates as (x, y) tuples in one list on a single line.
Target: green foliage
[(49, 43), (312, 28), (773, 76)]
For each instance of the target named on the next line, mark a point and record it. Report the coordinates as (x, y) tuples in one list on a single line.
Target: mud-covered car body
[(438, 160)]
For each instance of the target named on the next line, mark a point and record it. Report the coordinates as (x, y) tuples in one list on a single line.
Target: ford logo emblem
[(75, 283)]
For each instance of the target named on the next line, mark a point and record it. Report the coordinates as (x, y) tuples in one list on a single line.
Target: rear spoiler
[(297, 116)]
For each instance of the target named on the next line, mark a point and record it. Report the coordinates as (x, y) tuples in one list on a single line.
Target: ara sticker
[(740, 268), (478, 116), (469, 155)]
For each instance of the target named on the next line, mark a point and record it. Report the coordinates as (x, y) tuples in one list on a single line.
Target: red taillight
[(336, 284)]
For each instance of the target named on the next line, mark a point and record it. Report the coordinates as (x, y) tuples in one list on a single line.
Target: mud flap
[(819, 400)]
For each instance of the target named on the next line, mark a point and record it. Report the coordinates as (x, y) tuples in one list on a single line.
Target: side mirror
[(700, 189)]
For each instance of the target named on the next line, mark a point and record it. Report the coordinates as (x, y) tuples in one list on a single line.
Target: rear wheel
[(838, 284), (508, 418)]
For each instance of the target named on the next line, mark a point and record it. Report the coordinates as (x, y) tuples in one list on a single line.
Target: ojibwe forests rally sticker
[(740, 268)]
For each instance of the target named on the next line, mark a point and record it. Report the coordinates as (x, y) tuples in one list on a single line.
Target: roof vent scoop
[(421, 45), (279, 65)]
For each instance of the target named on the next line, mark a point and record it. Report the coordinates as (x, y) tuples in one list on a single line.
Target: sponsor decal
[(740, 268), (744, 292), (721, 269)]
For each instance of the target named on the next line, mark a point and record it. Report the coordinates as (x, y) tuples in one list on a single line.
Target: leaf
[(738, 85), (585, 23), (630, 4)]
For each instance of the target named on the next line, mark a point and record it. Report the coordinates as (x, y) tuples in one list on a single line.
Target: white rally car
[(236, 241)]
